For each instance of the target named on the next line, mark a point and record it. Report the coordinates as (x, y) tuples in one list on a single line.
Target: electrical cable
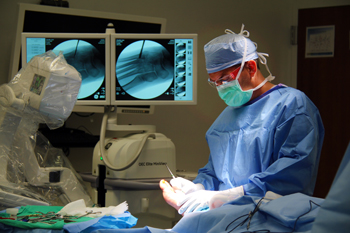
[(250, 216), (102, 141)]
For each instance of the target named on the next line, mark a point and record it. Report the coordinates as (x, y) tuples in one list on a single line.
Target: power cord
[(251, 214), (102, 146)]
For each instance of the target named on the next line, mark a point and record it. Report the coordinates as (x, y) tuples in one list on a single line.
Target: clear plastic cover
[(32, 171), (48, 87)]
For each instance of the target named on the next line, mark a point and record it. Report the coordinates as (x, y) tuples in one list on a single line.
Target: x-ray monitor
[(153, 69), (89, 54)]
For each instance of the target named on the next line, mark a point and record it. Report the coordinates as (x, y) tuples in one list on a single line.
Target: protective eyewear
[(224, 79)]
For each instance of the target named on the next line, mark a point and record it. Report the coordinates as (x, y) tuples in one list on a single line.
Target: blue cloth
[(279, 215), (334, 215), (272, 143), (125, 220), (136, 230), (11, 229)]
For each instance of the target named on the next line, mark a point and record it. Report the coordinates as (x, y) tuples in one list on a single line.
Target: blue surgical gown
[(272, 143)]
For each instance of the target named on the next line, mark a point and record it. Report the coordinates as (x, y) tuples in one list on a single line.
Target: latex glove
[(204, 199), (195, 201), (185, 186), (225, 196)]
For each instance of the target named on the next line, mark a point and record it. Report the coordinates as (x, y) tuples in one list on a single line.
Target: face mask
[(233, 95)]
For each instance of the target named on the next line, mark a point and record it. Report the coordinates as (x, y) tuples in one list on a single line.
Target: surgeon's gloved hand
[(204, 199), (185, 186), (226, 196), (195, 201)]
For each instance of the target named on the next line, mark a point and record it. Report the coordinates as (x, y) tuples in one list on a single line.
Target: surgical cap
[(228, 50)]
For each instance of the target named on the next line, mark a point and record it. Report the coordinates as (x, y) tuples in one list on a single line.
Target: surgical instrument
[(170, 171)]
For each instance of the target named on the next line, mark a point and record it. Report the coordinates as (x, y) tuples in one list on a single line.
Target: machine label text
[(142, 164)]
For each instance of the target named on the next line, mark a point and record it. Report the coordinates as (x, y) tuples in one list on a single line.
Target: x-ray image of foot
[(88, 61), (144, 69)]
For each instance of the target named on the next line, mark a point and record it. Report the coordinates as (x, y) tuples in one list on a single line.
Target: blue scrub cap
[(228, 50)]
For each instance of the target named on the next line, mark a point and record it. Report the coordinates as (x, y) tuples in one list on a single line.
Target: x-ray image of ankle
[(88, 61), (146, 65)]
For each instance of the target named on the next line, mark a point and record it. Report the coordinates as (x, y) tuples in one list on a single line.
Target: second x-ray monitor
[(89, 54), (153, 69)]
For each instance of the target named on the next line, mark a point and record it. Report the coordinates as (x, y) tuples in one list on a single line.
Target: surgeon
[(268, 138)]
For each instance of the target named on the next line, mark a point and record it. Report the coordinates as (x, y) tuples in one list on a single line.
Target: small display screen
[(87, 56), (37, 84), (154, 69)]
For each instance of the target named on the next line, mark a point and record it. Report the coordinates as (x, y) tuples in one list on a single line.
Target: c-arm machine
[(44, 91)]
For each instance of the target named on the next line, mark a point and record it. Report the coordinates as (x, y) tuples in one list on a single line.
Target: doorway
[(325, 78)]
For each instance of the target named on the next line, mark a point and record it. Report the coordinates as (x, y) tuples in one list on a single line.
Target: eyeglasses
[(224, 79)]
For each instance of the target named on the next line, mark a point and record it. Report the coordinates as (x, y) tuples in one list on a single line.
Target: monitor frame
[(155, 37), (62, 12), (104, 36)]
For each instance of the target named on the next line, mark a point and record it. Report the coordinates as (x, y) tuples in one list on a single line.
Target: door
[(325, 79)]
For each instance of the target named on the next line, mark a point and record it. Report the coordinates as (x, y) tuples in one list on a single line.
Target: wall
[(267, 21)]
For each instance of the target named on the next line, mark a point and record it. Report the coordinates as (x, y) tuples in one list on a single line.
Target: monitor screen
[(153, 69), (89, 54)]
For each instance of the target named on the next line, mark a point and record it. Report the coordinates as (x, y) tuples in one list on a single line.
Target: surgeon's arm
[(297, 146), (206, 176)]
